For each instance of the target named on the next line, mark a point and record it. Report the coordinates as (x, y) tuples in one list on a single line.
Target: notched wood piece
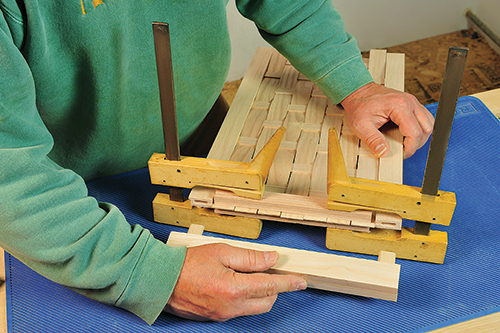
[(349, 144), (281, 167), (319, 174), (326, 271), (376, 65)]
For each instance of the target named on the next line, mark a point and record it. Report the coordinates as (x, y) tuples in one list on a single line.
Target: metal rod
[(452, 80), (163, 53)]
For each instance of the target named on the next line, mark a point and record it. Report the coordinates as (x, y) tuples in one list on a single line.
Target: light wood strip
[(306, 205), (307, 147), (343, 274), (317, 92), (276, 65), (243, 153), (491, 99), (391, 166), (318, 178), (330, 120), (279, 107), (376, 65), (302, 93), (253, 123), (307, 220), (315, 111), (288, 80), (299, 183), (350, 145), (293, 124), (334, 109), (266, 90), (281, 167), (230, 131), (266, 133)]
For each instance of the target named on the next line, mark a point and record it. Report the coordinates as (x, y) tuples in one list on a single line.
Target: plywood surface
[(277, 95)]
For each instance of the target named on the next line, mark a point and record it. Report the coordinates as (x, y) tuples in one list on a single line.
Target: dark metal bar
[(452, 80), (161, 35)]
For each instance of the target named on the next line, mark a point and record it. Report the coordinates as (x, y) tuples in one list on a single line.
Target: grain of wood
[(288, 80), (279, 107), (276, 65), (343, 274), (253, 123), (376, 65), (230, 131), (266, 90), (315, 111), (302, 93), (293, 124)]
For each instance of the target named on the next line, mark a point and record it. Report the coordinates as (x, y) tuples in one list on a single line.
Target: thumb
[(246, 260), (370, 135)]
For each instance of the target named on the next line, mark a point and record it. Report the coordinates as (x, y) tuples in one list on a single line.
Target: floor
[(426, 61)]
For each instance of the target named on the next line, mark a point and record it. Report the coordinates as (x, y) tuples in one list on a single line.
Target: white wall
[(488, 11), (374, 23)]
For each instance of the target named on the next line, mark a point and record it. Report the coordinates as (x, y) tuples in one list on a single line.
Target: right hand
[(219, 282)]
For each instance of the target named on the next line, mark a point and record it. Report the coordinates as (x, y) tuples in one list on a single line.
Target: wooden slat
[(343, 274), (230, 131), (289, 203), (376, 65), (279, 107), (391, 166)]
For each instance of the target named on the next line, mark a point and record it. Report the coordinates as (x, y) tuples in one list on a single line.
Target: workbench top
[(278, 319)]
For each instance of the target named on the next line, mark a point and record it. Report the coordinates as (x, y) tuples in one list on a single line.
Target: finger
[(410, 128), (246, 260), (261, 285), (375, 140), (426, 121), (255, 306)]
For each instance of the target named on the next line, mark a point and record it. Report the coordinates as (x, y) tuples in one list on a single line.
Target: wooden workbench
[(487, 323)]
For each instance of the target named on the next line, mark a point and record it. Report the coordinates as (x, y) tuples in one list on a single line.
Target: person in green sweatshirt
[(79, 100)]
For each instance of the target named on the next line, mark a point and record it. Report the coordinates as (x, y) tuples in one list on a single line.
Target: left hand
[(371, 106)]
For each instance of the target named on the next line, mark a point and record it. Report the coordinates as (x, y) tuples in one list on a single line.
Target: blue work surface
[(431, 296)]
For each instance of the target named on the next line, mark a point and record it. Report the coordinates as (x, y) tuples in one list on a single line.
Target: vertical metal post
[(452, 80), (163, 53)]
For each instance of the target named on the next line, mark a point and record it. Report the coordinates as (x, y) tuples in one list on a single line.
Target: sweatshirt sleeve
[(48, 221), (311, 35)]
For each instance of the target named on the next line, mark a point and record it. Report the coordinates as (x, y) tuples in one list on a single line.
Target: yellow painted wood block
[(184, 214), (403, 242)]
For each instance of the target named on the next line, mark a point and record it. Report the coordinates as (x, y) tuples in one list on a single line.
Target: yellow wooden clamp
[(243, 179), (350, 193)]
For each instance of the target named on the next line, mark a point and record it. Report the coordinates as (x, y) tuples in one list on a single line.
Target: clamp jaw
[(350, 193)]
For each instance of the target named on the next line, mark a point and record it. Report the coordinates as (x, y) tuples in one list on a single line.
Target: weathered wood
[(369, 278)]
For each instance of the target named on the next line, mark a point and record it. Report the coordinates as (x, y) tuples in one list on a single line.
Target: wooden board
[(369, 278), (282, 97)]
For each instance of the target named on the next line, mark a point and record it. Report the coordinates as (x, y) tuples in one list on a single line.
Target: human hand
[(219, 282), (371, 106)]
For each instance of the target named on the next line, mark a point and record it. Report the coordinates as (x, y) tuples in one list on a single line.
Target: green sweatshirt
[(79, 100)]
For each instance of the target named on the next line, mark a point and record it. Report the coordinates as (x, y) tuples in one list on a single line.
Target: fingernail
[(271, 256), (380, 150), (302, 286)]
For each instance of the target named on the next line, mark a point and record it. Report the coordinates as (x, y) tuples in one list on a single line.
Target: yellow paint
[(350, 193), (94, 2), (403, 242), (184, 214), (243, 179)]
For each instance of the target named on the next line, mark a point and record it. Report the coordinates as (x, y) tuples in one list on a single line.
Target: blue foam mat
[(431, 296)]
